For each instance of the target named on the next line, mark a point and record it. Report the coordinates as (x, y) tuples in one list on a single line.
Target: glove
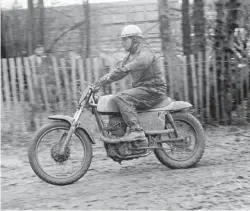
[(97, 85)]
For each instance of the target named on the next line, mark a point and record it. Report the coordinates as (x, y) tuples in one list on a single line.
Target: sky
[(8, 4)]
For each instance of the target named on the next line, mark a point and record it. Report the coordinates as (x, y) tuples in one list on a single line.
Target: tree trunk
[(41, 22), (199, 26), (200, 43), (165, 34), (31, 31), (186, 43), (226, 24), (87, 28)]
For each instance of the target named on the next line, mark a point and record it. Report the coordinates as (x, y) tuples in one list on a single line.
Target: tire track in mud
[(219, 181)]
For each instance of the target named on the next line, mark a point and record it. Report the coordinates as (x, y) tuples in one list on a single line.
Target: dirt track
[(219, 181)]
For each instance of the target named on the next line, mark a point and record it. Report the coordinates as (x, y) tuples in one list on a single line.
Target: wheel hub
[(57, 156)]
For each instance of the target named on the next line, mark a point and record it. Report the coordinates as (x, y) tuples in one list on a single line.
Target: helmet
[(131, 30)]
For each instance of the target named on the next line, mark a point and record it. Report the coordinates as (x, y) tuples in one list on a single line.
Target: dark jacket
[(144, 67)]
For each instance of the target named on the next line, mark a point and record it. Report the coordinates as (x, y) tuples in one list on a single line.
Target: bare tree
[(186, 41), (31, 36), (41, 21), (86, 28), (164, 30)]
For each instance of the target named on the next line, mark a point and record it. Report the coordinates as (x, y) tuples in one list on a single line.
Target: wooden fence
[(31, 87)]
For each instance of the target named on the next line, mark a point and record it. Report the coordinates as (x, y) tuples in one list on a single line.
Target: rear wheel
[(183, 154), (53, 167)]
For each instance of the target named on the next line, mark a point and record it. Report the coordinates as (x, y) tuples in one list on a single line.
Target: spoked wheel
[(188, 152), (55, 167)]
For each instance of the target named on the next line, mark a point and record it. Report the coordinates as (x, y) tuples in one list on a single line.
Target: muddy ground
[(221, 180)]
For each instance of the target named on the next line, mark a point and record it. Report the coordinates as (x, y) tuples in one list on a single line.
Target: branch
[(64, 33)]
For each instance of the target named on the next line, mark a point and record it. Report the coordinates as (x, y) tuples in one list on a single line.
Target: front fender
[(70, 120)]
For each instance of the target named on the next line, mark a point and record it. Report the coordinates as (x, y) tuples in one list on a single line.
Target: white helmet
[(131, 30)]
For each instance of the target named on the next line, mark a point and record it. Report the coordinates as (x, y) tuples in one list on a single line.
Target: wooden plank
[(32, 60), (33, 70), (74, 81), (113, 85), (229, 92), (162, 68), (45, 94), (21, 88), (207, 66), (31, 96), (6, 85), (13, 80), (29, 80), (66, 82), (96, 67), (216, 96), (242, 89), (185, 79), (3, 105), (222, 89), (81, 74), (58, 82), (171, 91), (21, 78), (248, 91), (194, 85), (89, 71), (200, 82)]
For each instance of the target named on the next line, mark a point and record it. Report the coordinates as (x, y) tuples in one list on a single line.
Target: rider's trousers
[(138, 98)]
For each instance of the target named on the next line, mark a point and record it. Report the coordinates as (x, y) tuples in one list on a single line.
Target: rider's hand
[(96, 86)]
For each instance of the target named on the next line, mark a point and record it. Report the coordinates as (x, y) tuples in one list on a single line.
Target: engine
[(116, 125), (117, 128)]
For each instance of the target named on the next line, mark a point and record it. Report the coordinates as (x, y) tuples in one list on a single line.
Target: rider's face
[(126, 42)]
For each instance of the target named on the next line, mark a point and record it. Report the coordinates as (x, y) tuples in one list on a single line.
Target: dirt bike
[(175, 136)]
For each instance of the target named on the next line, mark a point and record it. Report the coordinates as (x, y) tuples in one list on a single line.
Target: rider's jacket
[(144, 67)]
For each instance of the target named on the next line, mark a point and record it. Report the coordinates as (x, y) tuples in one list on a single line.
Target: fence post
[(21, 87), (6, 85), (162, 67), (96, 65), (13, 80), (200, 81), (89, 71), (194, 83), (58, 84), (207, 65), (66, 83), (73, 77), (81, 71), (29, 80), (215, 87), (222, 89), (31, 92), (34, 80), (113, 85), (248, 91)]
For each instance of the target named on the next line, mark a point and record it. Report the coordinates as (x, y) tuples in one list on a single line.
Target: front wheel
[(186, 154), (55, 168)]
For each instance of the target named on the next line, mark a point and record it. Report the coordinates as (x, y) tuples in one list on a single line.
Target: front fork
[(71, 131)]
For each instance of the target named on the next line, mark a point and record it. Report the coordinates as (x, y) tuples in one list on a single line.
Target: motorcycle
[(174, 135)]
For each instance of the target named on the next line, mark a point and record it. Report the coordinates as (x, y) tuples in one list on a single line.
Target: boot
[(136, 135)]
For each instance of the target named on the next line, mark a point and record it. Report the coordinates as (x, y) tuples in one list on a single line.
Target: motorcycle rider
[(149, 86)]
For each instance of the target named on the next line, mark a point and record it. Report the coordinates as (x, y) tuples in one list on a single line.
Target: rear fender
[(70, 120)]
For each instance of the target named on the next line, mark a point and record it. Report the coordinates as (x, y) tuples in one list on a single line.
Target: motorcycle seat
[(162, 104)]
